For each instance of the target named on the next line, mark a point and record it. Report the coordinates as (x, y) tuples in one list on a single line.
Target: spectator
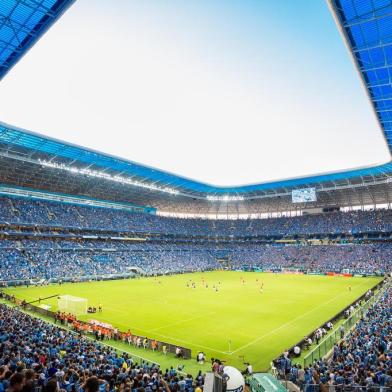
[(91, 384), (75, 363), (16, 382), (362, 360)]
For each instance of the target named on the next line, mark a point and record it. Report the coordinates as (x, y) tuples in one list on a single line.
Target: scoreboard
[(305, 195)]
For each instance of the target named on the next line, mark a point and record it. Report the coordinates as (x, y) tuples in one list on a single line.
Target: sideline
[(290, 322), (48, 321)]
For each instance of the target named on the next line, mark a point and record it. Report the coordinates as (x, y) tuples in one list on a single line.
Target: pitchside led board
[(303, 195)]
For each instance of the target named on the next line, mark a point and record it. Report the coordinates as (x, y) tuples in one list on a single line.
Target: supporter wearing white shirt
[(249, 369)]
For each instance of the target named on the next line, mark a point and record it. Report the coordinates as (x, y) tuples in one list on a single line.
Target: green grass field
[(259, 325)]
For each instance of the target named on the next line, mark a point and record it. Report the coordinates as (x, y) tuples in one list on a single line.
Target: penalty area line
[(152, 332), (182, 321)]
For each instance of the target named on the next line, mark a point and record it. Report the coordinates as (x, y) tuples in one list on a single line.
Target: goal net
[(73, 305)]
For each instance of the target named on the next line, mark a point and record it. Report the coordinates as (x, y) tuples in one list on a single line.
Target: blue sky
[(225, 92)]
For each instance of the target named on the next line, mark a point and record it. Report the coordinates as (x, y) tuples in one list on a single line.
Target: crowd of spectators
[(363, 359), (355, 258), (35, 356), (43, 253), (56, 263), (56, 259), (26, 211)]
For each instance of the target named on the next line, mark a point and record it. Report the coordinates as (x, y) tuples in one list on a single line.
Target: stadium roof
[(22, 23), (367, 27), (30, 160), (33, 160)]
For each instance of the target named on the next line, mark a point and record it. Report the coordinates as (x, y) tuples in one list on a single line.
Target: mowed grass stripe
[(301, 316), (259, 325)]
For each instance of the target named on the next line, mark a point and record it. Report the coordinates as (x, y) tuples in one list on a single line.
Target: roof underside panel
[(367, 25), (22, 23), (82, 157), (34, 147)]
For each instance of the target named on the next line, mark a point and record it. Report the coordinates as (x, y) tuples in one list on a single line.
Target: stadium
[(121, 276)]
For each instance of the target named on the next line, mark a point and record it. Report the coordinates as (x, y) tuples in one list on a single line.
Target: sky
[(226, 92)]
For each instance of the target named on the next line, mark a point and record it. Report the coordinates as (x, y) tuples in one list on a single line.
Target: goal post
[(72, 304)]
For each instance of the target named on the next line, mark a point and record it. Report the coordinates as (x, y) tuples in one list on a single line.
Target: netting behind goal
[(71, 304)]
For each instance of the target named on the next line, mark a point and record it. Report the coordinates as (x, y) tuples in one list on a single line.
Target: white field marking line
[(183, 321), (286, 324), (102, 343), (36, 316), (145, 331), (374, 299)]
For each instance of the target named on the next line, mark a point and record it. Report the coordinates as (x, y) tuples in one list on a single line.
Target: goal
[(73, 305)]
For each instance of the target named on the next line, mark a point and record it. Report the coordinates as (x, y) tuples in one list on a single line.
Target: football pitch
[(237, 323)]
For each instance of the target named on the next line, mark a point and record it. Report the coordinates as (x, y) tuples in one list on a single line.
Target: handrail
[(347, 325)]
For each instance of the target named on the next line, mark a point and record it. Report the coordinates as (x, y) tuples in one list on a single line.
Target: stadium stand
[(34, 248), (362, 360), (23, 261), (48, 240), (35, 354), (22, 211)]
